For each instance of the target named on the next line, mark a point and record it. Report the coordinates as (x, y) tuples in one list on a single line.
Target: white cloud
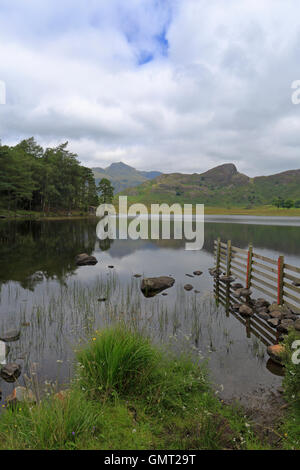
[(216, 87)]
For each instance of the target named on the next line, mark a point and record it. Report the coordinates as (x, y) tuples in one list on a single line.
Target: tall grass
[(117, 359)]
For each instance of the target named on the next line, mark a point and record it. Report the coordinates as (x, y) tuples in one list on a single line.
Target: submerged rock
[(85, 260), (10, 372), (151, 286)]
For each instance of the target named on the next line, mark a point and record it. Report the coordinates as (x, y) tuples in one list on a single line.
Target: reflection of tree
[(105, 245), (33, 250)]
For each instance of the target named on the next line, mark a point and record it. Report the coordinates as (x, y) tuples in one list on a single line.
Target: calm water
[(55, 304)]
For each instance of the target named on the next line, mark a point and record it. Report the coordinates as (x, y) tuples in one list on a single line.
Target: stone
[(85, 260), (260, 302), (297, 324), (189, 275), (263, 315), (245, 311), (197, 291), (188, 287), (273, 322), (137, 275), (10, 372), (279, 308), (275, 352), (151, 286), (236, 306), (20, 395), (110, 267), (245, 292), (197, 273), (214, 272), (237, 285), (103, 299), (227, 279), (276, 314), (10, 336), (62, 395), (285, 326)]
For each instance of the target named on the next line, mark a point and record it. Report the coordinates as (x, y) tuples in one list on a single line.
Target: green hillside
[(222, 186), (123, 176)]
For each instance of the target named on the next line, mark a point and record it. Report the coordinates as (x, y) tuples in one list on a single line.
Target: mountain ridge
[(221, 186)]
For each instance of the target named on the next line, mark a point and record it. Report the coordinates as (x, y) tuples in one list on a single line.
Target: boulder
[(151, 286), (275, 352), (263, 315), (10, 336), (215, 272), (85, 260), (245, 311), (279, 308), (20, 395), (10, 372)]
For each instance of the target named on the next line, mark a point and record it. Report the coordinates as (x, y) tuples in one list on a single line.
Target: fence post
[(228, 270), (249, 266), (280, 280), (218, 253)]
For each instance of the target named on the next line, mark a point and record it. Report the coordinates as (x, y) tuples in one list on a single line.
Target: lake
[(56, 304)]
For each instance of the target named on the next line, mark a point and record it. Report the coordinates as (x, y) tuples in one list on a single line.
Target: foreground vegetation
[(128, 394)]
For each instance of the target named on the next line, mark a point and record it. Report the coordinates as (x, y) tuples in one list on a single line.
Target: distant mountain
[(123, 176), (221, 186)]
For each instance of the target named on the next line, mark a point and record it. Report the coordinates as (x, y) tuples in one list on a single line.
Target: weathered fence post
[(249, 266), (218, 253), (280, 280), (228, 270)]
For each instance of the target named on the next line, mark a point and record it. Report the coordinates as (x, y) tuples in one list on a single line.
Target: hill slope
[(123, 176), (221, 186)]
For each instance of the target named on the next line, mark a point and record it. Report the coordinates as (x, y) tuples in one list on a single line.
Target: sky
[(168, 85)]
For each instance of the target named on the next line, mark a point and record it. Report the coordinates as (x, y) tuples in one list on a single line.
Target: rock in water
[(85, 260), (10, 336), (197, 273), (245, 311), (151, 286), (188, 287), (275, 352), (20, 395), (10, 372)]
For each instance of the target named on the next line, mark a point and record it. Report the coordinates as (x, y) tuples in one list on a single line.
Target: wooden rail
[(274, 278)]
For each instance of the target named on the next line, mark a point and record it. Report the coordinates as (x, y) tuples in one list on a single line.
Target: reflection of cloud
[(181, 85)]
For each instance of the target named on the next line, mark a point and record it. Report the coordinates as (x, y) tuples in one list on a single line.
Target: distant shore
[(209, 210)]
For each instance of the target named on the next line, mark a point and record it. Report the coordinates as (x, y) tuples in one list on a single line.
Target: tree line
[(286, 203), (33, 178)]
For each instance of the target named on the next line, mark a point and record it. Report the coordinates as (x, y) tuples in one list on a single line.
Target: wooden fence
[(274, 278)]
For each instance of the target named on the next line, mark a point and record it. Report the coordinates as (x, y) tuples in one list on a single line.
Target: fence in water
[(277, 280)]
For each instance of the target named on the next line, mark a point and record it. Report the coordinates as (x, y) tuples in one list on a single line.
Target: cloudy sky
[(170, 85)]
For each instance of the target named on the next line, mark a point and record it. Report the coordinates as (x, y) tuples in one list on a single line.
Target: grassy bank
[(128, 394)]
